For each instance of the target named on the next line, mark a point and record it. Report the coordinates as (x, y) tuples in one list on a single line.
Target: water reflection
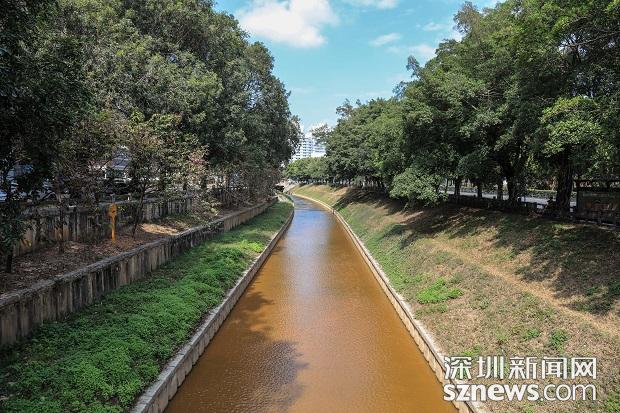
[(313, 333)]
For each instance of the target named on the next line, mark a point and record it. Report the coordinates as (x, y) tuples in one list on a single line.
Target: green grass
[(531, 334), (438, 292), (612, 405), (557, 340), (447, 262), (100, 360)]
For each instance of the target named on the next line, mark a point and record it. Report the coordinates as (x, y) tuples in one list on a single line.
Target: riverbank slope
[(100, 359), (486, 283)]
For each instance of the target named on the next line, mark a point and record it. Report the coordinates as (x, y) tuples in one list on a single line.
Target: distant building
[(305, 148), (319, 149), (309, 147), (117, 168)]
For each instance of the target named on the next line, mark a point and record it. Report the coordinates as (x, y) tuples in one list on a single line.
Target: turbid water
[(313, 333)]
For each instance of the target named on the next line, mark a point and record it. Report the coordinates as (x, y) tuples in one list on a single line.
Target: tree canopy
[(171, 83), (528, 96)]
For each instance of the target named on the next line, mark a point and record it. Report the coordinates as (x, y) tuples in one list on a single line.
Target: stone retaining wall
[(417, 331), (157, 396), (21, 311)]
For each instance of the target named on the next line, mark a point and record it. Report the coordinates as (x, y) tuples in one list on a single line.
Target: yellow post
[(112, 210)]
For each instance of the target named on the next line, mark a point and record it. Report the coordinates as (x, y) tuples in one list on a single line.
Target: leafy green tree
[(75, 73), (437, 104), (417, 184), (573, 139), (43, 93), (486, 55), (529, 94), (182, 58), (78, 167), (308, 169), (158, 152), (365, 143)]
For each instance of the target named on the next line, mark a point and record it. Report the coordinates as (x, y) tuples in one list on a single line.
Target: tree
[(75, 73), (417, 184), (529, 92), (182, 58), (78, 167), (158, 152), (42, 94), (307, 169), (573, 139)]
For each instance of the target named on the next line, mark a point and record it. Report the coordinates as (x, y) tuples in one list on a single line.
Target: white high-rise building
[(318, 150), (305, 148), (309, 147)]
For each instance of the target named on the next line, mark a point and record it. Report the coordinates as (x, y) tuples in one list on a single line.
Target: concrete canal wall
[(21, 311), (158, 395), (417, 331)]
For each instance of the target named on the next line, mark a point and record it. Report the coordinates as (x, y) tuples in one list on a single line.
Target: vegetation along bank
[(487, 283), (102, 358)]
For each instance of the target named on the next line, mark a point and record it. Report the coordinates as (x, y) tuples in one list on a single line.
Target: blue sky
[(329, 50)]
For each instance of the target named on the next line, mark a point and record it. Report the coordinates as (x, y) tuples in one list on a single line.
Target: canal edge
[(416, 330), (156, 397)]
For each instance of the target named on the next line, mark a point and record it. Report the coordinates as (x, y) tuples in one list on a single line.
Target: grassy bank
[(100, 359), (487, 283)]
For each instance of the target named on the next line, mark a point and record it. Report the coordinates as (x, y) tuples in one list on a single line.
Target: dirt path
[(537, 290)]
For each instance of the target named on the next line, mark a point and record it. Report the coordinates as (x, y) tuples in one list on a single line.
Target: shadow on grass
[(580, 262)]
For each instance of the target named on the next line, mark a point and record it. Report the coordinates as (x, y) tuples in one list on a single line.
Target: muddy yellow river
[(313, 333)]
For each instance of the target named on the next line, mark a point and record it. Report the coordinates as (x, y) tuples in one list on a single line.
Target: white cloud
[(423, 52), (397, 49), (297, 23), (435, 27), (385, 39), (380, 4)]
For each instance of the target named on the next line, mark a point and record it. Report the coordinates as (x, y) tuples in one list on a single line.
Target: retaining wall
[(21, 311), (92, 224), (156, 397), (417, 331)]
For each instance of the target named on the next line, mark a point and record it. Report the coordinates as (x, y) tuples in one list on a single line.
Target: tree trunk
[(511, 180), (6, 185), (138, 215), (58, 191), (479, 188), (565, 184), (512, 189), (500, 189), (457, 186), (61, 218), (9, 263)]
